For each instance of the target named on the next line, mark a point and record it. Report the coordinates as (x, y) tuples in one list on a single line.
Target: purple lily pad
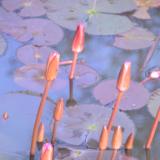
[(65, 153), (105, 92), (42, 31), (31, 8), (3, 45), (22, 110), (32, 77), (30, 54), (154, 102), (92, 118), (69, 13), (136, 38)]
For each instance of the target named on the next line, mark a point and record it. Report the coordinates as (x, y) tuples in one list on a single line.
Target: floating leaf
[(31, 8), (32, 77), (154, 102), (106, 93), (92, 118), (42, 32), (3, 45), (80, 154), (30, 54), (136, 38), (22, 111), (97, 19)]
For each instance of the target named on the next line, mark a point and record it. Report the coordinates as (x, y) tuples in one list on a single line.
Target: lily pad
[(105, 92), (8, 25), (136, 38), (96, 16), (31, 8), (22, 110), (32, 77), (80, 154), (3, 45), (154, 102), (41, 31), (92, 119), (32, 54)]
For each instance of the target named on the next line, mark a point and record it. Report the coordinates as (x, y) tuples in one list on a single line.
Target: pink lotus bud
[(47, 152), (59, 109), (52, 66), (78, 41), (124, 77), (103, 142)]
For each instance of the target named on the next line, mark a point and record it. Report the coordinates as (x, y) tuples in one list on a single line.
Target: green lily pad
[(154, 102), (91, 118), (97, 21), (3, 45)]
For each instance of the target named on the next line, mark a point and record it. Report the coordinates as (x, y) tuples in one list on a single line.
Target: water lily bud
[(5, 115), (47, 152), (117, 138), (52, 66), (129, 141), (58, 112), (78, 41), (103, 142), (40, 137), (124, 77)]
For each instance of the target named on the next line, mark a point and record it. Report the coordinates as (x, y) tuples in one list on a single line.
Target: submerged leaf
[(92, 119), (154, 102), (106, 93), (136, 38)]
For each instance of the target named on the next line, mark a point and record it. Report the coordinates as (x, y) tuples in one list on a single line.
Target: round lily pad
[(154, 102), (97, 21), (136, 38), (32, 77), (81, 154), (3, 45), (92, 119), (31, 8), (134, 98), (32, 54), (22, 110), (41, 31)]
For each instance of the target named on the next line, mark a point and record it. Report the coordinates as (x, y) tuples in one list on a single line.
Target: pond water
[(24, 48)]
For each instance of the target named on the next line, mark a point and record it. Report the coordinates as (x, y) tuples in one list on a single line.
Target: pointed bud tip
[(79, 38), (117, 138), (58, 112), (124, 77), (103, 142), (129, 142), (52, 66), (47, 152), (40, 137)]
